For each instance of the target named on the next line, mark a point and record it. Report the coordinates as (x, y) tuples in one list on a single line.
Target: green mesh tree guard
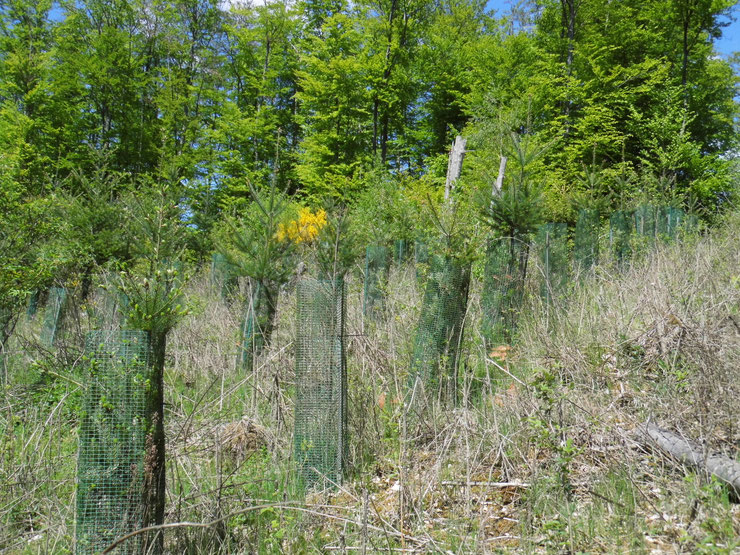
[(33, 304), (434, 359), (620, 232), (421, 258), (503, 288), (223, 276), (645, 221), (586, 241), (259, 320), (112, 434), (55, 306), (552, 242), (377, 263), (401, 251), (669, 221), (320, 438)]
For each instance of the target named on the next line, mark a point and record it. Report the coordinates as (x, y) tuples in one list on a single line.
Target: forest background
[(344, 103)]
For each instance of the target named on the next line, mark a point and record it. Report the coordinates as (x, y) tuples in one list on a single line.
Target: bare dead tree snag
[(498, 185), (454, 165)]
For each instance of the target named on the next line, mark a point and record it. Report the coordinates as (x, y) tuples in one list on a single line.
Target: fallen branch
[(486, 484), (720, 466), (387, 549), (512, 376)]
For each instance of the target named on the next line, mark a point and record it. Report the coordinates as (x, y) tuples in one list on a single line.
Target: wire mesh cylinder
[(620, 232), (503, 288), (437, 341), (6, 317), (123, 307), (111, 456), (552, 242), (669, 221), (690, 223), (421, 258), (586, 241), (320, 438), (223, 277), (54, 315), (645, 221), (401, 251), (377, 262), (259, 320), (33, 304)]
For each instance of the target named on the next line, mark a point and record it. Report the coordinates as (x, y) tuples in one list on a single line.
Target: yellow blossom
[(304, 229)]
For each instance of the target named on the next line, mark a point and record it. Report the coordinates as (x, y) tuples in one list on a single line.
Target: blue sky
[(729, 43)]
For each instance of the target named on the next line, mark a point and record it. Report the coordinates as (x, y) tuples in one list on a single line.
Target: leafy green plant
[(551, 434), (710, 506)]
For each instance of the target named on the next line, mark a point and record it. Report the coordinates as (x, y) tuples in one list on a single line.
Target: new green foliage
[(586, 241), (436, 348), (55, 306), (111, 458), (320, 439), (552, 240), (377, 262), (503, 288)]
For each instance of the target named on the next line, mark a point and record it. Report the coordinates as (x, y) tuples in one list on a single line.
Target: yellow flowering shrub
[(304, 229)]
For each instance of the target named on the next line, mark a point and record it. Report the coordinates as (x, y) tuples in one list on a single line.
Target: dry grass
[(538, 456)]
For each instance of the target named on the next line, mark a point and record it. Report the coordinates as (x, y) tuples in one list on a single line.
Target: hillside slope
[(540, 453)]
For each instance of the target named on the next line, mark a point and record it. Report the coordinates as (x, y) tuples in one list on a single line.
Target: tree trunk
[(384, 137), (154, 462), (569, 9), (376, 104), (571, 30)]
